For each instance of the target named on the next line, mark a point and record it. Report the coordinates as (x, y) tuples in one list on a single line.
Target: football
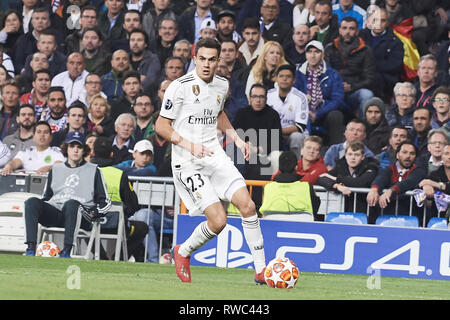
[(48, 249), (281, 273)]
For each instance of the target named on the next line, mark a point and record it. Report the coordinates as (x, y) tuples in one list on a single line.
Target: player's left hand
[(200, 151)]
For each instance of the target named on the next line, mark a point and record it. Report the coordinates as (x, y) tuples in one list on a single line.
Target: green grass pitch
[(24, 278)]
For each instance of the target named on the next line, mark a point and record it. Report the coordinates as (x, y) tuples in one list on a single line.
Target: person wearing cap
[(70, 185), (292, 106), (40, 157), (323, 87), (208, 29), (377, 127), (226, 27), (190, 22), (141, 164)]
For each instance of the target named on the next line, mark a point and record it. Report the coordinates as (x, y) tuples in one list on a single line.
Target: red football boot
[(259, 277), (182, 265)]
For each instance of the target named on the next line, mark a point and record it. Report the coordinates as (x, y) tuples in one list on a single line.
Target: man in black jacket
[(377, 127), (272, 27)]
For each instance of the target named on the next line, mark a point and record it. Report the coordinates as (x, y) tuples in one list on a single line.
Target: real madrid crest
[(218, 99), (196, 89)]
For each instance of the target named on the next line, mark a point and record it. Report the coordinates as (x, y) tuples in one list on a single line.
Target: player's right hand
[(200, 151)]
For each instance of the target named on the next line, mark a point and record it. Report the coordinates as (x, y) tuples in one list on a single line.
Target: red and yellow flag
[(403, 31)]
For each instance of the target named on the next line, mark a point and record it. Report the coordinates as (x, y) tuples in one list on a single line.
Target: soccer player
[(191, 113)]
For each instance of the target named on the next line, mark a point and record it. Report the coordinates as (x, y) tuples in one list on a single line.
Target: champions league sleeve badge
[(168, 105)]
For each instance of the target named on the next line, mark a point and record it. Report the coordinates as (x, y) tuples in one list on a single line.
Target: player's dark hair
[(287, 162), (208, 43)]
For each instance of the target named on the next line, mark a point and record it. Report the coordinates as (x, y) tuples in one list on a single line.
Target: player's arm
[(224, 125)]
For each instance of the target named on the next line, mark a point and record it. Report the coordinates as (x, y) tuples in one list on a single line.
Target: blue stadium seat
[(437, 223), (397, 221), (346, 217)]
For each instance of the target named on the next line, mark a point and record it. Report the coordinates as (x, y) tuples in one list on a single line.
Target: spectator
[(90, 139), (255, 117), (58, 206), (263, 71), (132, 20), (5, 154), (38, 62), (7, 63), (131, 88), (8, 113), (426, 84), (141, 163), (442, 57), (76, 120), (11, 29), (296, 50), (441, 105), (73, 79), (125, 125), (112, 81), (38, 95), (111, 21), (396, 179), (326, 27), (143, 60), (437, 140), (191, 19), (323, 87), (47, 45), (353, 59), (352, 171), (4, 76), (40, 157), (377, 127), (253, 43), (153, 16), (22, 138), (92, 87), (292, 107), (99, 121), (401, 112), (164, 43), (387, 50), (230, 55), (208, 29), (399, 134), (354, 131), (173, 69), (287, 194), (88, 18), (55, 114), (96, 57), (421, 127), (303, 13), (160, 94), (226, 27), (143, 108), (272, 27), (182, 48), (347, 8)]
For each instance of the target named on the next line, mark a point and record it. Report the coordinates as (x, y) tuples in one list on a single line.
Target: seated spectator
[(112, 81), (253, 43), (326, 26), (98, 120), (120, 190), (37, 97), (182, 48), (8, 112), (92, 87), (58, 208), (88, 18), (76, 120), (110, 21), (356, 66), (442, 57), (4, 76), (419, 133), (73, 79), (154, 15), (352, 171), (388, 53), (354, 131), (295, 50), (11, 29), (399, 134), (292, 106), (401, 112), (323, 87), (157, 101), (263, 71), (38, 62), (230, 55), (164, 43), (5, 154), (143, 108), (90, 139), (173, 69), (347, 8), (40, 157), (125, 125), (131, 87), (396, 179), (132, 20), (426, 83), (437, 140), (377, 127), (96, 56), (55, 114), (272, 26), (303, 13), (226, 27), (22, 138), (441, 106), (287, 194), (141, 163)]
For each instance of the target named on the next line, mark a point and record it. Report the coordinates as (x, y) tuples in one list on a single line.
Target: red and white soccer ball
[(281, 273), (48, 249)]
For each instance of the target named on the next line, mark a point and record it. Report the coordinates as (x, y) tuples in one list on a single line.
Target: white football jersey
[(32, 159), (194, 105), (294, 109)]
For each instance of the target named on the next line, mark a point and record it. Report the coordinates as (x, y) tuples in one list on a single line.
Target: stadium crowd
[(358, 90)]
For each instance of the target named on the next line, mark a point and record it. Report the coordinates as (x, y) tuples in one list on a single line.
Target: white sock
[(198, 238), (255, 241)]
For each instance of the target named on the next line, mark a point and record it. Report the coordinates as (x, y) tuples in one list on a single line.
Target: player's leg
[(252, 230)]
